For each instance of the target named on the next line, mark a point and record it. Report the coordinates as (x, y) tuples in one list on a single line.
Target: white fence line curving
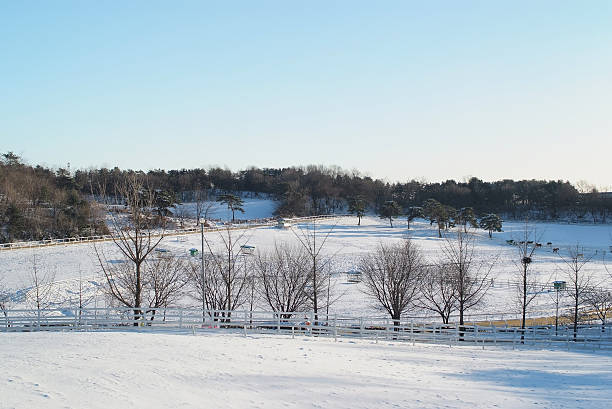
[(167, 233), (303, 324)]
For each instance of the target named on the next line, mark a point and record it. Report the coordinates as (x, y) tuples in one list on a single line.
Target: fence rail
[(247, 224), (302, 324)]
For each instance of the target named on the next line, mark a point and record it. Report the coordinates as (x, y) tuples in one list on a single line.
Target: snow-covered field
[(143, 370), (347, 243), (254, 208), (212, 370)]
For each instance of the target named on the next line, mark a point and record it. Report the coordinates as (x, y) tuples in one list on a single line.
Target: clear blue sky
[(399, 90)]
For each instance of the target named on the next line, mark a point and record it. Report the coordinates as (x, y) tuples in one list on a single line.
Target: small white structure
[(248, 249), (283, 224), (353, 276)]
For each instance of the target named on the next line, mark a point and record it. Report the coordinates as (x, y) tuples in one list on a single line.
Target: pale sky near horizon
[(396, 89)]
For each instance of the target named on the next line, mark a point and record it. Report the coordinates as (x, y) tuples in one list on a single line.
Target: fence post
[(181, 318), (76, 312), (38, 315), (412, 331), (278, 323), (456, 332), (245, 323), (476, 333), (360, 327), (309, 328), (335, 328), (549, 336)]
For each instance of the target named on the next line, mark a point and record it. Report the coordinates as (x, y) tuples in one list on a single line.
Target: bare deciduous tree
[(206, 289), (181, 212), (392, 276), (136, 234), (439, 292), (40, 282), (5, 298), (313, 244), (166, 278), (284, 275), (528, 287), (162, 280), (227, 279), (468, 270), (204, 206), (600, 300), (580, 282)]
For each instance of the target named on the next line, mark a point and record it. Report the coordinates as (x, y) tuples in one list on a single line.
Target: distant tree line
[(37, 202), (321, 190)]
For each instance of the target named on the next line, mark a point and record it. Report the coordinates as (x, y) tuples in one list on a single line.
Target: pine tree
[(431, 208), (466, 216), (233, 202), (413, 212), (491, 222), (390, 210), (357, 206)]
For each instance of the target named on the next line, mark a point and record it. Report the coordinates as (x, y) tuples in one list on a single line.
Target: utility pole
[(203, 275)]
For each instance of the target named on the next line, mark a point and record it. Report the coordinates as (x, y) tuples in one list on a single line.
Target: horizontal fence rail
[(593, 336), (237, 225)]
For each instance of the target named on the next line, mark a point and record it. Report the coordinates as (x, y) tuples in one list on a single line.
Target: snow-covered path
[(135, 370)]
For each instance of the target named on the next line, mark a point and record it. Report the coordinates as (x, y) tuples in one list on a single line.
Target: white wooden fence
[(303, 324), (239, 225)]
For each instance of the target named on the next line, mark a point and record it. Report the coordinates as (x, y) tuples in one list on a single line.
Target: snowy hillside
[(140, 370)]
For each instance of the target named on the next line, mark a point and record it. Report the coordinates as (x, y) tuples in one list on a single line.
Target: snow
[(347, 243), (254, 208), (158, 370), (144, 370)]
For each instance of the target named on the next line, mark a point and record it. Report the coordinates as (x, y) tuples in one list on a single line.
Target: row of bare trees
[(297, 277), (288, 279), (397, 277), (399, 280)]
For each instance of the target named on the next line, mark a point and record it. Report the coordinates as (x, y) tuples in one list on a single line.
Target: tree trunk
[(461, 322), (524, 306), (576, 316), (137, 295)]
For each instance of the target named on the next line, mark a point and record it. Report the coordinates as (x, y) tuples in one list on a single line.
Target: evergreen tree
[(491, 222), (390, 210), (431, 208), (233, 202), (413, 212), (163, 201), (466, 216), (357, 206)]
